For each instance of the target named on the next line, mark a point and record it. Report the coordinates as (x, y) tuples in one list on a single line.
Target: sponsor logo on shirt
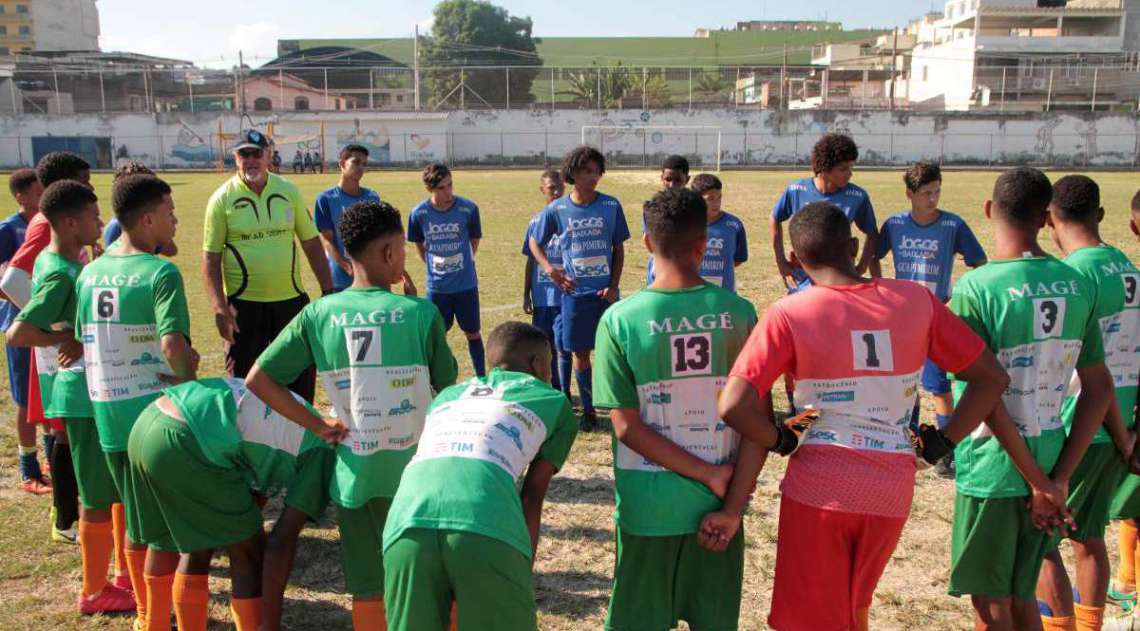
[(715, 243), (925, 245), (442, 228), (591, 267), (146, 359), (822, 434), (660, 398), (512, 433), (1025, 361), (405, 407), (402, 382), (837, 396), (585, 223)]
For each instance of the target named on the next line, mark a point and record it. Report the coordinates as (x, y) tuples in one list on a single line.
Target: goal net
[(648, 145)]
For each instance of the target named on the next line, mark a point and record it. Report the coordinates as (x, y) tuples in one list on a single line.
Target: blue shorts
[(547, 320), (19, 364), (934, 379), (579, 321), (462, 306)]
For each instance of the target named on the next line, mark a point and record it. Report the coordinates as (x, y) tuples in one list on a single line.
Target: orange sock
[(454, 626), (95, 549), (1088, 618), (119, 527), (191, 601), (368, 615), (136, 561), (159, 594), (1059, 623), (863, 619), (1126, 542), (247, 613)]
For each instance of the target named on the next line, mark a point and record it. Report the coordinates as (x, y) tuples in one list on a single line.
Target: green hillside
[(721, 48)]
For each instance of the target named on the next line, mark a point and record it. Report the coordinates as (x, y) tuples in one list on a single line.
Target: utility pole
[(416, 68), (894, 69), (241, 85)]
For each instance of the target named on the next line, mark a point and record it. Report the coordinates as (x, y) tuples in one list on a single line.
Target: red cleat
[(110, 600), (123, 582), (36, 486)]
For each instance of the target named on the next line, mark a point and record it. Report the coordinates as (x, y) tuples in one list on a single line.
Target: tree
[(469, 33), (585, 84)]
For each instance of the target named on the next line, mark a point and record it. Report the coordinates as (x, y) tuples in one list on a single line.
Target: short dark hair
[(1136, 201), (65, 198), (365, 221), (831, 151), (551, 174), (673, 218), (60, 165), (820, 234), (135, 195), (1022, 195), (578, 158), (1075, 198), (920, 174), (435, 173), (513, 344), (21, 180), (676, 163), (704, 183), (349, 149), (132, 168)]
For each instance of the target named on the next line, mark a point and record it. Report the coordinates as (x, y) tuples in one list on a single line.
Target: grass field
[(575, 557)]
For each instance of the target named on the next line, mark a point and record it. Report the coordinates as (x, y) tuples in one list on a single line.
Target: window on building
[(399, 98), (25, 30), (21, 8), (4, 51), (301, 103), (3, 28), (262, 104)]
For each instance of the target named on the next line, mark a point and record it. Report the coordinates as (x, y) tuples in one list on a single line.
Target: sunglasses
[(249, 153)]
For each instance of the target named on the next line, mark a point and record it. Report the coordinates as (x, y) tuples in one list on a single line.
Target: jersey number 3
[(1048, 317)]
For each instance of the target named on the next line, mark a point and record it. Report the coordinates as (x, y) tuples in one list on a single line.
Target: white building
[(48, 25), (1027, 55)]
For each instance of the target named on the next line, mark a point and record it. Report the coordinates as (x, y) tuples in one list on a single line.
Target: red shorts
[(35, 404), (827, 566)]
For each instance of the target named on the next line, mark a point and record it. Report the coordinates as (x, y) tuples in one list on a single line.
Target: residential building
[(48, 25)]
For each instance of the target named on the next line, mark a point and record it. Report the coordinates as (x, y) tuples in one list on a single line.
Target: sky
[(211, 32)]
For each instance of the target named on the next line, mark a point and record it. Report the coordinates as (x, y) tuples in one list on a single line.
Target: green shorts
[(96, 487), (308, 491), (1092, 489), (1126, 500), (361, 551), (181, 500), (120, 469), (661, 580), (994, 549), (489, 580)]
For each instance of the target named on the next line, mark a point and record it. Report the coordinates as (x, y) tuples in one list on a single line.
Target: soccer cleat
[(71, 535), (123, 582), (1126, 600), (35, 486), (110, 599), (589, 423), (945, 468)]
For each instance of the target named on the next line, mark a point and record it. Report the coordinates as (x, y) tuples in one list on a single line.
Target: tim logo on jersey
[(591, 267)]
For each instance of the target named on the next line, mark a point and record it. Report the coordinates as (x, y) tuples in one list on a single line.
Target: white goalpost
[(650, 139)]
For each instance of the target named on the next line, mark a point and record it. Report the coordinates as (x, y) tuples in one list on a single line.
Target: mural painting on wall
[(377, 141), (191, 147)]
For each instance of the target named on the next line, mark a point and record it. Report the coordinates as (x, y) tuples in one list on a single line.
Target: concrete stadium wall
[(629, 138)]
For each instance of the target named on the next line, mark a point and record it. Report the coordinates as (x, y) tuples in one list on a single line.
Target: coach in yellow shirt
[(251, 261)]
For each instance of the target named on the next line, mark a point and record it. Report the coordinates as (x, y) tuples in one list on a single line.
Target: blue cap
[(251, 139)]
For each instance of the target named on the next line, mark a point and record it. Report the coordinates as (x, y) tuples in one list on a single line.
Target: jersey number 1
[(871, 350)]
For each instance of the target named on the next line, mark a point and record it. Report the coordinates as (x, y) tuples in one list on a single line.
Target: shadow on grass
[(315, 615), (574, 594), (317, 565), (567, 490), (578, 533)]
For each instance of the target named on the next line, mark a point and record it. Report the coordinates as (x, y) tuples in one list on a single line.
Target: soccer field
[(573, 567)]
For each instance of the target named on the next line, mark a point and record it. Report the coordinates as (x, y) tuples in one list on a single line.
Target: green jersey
[(1037, 315), (1116, 288), (478, 440), (667, 353), (127, 303), (236, 430), (52, 308), (378, 356)]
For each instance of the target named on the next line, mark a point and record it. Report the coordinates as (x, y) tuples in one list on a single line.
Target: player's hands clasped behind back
[(69, 352), (1049, 508), (717, 530), (331, 430)]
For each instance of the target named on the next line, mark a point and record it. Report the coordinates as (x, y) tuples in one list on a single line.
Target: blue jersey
[(112, 232), (326, 213), (852, 200), (447, 236), (12, 232), (727, 246), (925, 253), (587, 235), (544, 293)]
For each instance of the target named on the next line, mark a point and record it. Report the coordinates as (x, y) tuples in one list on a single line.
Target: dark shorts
[(579, 321), (934, 379), (462, 306), (546, 320), (19, 364), (259, 323)]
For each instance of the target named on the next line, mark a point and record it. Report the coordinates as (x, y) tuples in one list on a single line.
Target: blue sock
[(49, 441), (475, 348), (565, 367), (29, 464), (941, 420), (585, 379)]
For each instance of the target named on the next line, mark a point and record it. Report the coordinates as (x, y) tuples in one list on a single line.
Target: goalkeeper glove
[(789, 432), (931, 444)]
